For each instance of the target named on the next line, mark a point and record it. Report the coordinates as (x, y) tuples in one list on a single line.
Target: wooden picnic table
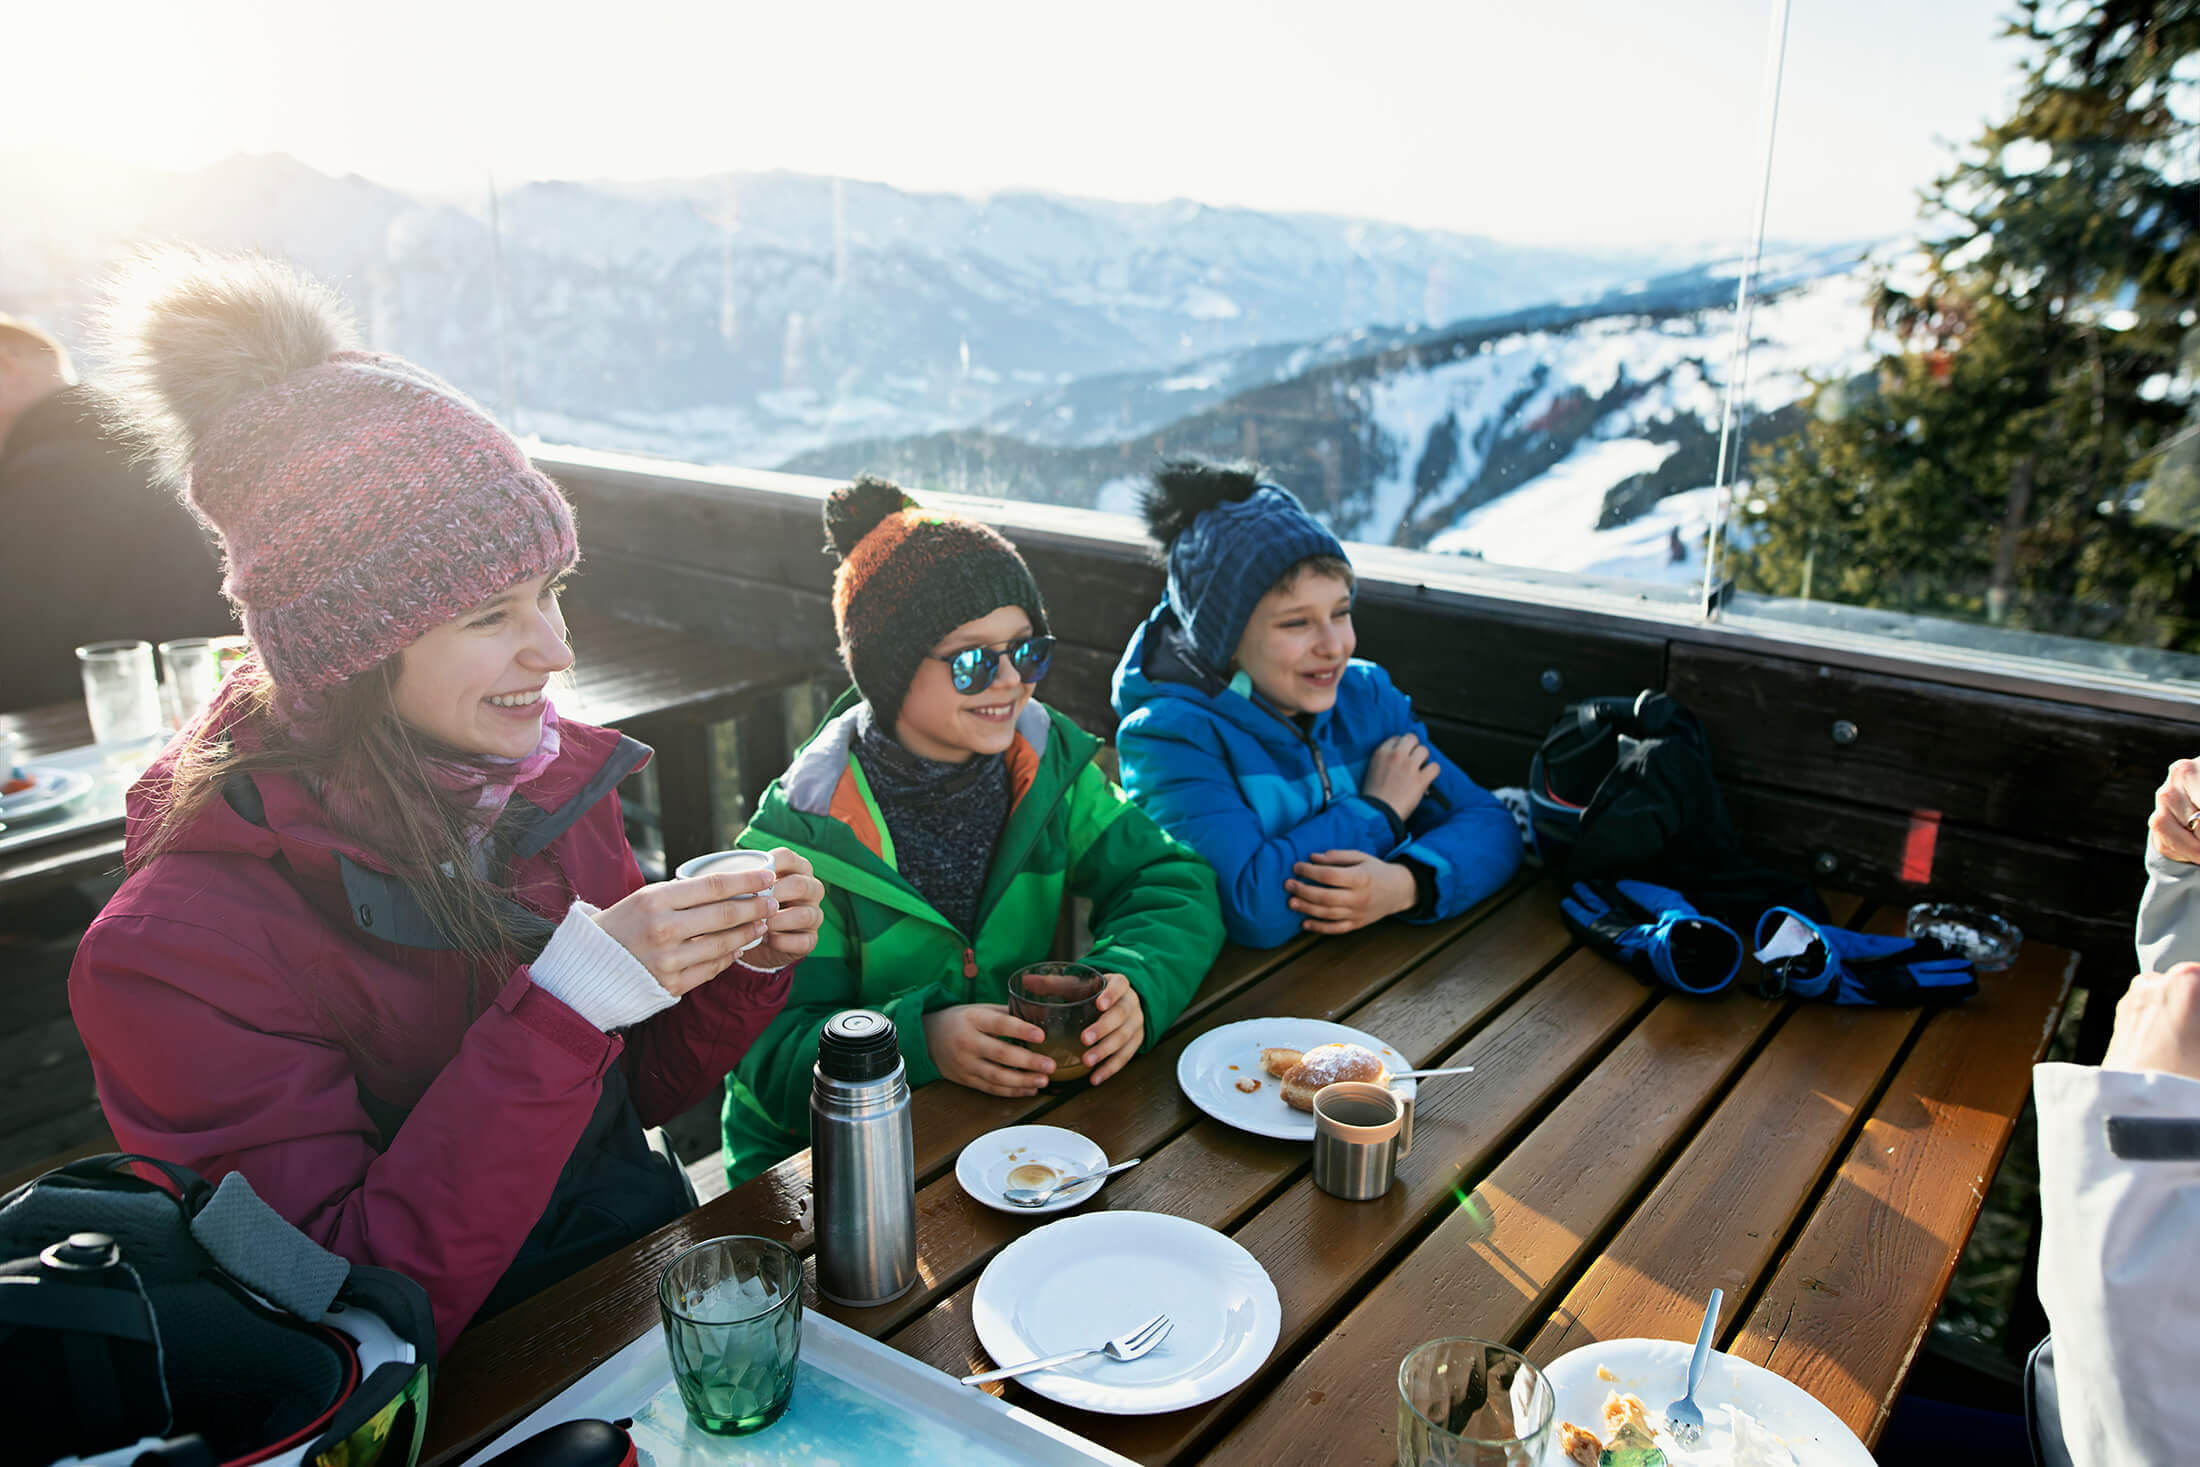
[(665, 687), (1618, 1152)]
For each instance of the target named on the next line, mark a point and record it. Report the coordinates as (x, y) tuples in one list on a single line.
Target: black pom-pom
[(855, 510), (1183, 487)]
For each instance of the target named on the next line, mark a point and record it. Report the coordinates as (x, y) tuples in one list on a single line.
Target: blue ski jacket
[(1255, 790)]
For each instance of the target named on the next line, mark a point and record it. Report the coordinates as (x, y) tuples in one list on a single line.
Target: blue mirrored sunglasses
[(974, 668)]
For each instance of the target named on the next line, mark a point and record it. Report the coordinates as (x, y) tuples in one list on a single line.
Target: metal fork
[(1682, 1418), (1127, 1346)]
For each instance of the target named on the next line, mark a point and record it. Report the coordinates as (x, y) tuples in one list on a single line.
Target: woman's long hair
[(425, 835)]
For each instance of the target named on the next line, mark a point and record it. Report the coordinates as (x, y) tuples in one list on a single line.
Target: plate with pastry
[(1611, 1397), (1260, 1075)]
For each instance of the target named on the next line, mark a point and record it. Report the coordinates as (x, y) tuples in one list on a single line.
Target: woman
[(384, 948)]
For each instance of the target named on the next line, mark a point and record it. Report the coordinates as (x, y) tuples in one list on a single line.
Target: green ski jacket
[(1071, 832)]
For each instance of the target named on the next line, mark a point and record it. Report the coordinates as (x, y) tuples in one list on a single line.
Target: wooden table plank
[(504, 1367), (1725, 1208), (1209, 1168), (1316, 1248), (1495, 1261), (1854, 1298)]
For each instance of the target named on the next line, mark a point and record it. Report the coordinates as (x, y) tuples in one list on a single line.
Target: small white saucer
[(985, 1163)]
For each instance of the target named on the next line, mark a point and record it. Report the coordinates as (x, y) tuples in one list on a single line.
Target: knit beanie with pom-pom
[(360, 501), (908, 576), (1230, 536)]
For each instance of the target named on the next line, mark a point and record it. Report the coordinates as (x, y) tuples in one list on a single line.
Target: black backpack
[(1624, 788), (194, 1325)]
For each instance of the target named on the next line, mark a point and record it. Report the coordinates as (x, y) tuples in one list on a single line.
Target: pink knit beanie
[(360, 500)]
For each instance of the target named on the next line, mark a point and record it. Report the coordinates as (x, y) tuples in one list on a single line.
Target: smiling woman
[(384, 949)]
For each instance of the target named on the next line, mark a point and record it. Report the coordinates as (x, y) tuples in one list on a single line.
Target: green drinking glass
[(733, 1325)]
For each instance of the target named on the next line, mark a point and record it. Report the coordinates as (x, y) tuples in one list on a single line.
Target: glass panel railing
[(2010, 458)]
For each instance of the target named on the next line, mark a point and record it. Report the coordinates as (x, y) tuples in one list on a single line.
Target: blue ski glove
[(1858, 968), (1655, 932)]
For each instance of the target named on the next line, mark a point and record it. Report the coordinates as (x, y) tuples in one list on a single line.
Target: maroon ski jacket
[(265, 999)]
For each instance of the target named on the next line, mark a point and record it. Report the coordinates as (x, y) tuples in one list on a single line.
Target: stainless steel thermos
[(863, 1162)]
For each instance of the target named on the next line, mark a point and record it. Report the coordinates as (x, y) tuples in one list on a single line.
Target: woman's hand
[(790, 933), (1399, 772), (1115, 1036), (686, 930), (2176, 812), (970, 1045), (1342, 891), (2158, 1024)]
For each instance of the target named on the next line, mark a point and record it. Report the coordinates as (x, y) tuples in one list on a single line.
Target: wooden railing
[(1860, 759)]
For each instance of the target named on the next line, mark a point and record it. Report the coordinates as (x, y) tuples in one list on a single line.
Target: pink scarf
[(490, 780)]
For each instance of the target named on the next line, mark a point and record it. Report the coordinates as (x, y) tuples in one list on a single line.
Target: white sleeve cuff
[(593, 974)]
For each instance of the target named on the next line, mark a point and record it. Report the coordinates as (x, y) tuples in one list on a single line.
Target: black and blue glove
[(1655, 932), (1819, 961)]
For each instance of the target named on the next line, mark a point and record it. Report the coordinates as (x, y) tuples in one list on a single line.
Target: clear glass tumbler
[(1471, 1403), (120, 692), (191, 670), (732, 1309)]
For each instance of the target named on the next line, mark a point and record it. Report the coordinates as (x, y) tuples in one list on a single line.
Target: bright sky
[(1600, 120)]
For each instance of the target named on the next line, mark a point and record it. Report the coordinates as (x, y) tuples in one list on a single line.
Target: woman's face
[(476, 682), (1297, 642), (939, 723)]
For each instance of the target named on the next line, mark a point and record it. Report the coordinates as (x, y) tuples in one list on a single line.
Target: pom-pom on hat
[(1229, 537), (360, 501), (908, 576)]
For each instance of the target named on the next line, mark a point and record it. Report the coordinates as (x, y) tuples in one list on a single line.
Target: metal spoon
[(1041, 1196), (1429, 1074)]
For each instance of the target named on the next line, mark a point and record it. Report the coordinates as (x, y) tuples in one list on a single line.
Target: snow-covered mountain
[(1577, 437), (1418, 388), (747, 317)]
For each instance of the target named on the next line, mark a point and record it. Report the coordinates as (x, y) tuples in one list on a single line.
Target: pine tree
[(2017, 457)]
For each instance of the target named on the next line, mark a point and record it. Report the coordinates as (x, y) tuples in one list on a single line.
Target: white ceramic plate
[(985, 1163), (1212, 1065), (1657, 1371), (1084, 1280), (55, 790)]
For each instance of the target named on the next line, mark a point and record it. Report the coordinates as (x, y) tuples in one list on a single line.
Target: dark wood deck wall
[(2022, 793)]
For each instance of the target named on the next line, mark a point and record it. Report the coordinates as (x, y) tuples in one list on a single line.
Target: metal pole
[(1737, 374)]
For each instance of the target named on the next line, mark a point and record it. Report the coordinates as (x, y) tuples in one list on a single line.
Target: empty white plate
[(1215, 1066), (1085, 1280), (1657, 1371), (985, 1163)]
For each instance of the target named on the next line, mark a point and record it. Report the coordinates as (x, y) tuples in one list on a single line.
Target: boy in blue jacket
[(1251, 733)]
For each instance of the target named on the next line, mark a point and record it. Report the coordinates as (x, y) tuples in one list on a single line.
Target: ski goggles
[(974, 668), (394, 1400)]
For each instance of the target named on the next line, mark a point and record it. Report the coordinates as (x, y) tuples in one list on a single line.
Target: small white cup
[(721, 861)]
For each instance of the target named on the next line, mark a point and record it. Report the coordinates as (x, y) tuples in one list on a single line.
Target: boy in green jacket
[(951, 816)]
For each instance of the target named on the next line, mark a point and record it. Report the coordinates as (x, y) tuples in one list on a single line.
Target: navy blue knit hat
[(1230, 536)]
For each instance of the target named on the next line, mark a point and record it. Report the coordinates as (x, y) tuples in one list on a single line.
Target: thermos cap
[(858, 1045)]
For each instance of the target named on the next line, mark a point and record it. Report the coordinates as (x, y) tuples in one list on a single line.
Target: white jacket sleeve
[(2169, 921), (2117, 1273)]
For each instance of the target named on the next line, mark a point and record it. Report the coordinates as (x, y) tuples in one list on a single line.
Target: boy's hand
[(1399, 772), (790, 933), (1115, 1036), (970, 1044), (1343, 891)]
